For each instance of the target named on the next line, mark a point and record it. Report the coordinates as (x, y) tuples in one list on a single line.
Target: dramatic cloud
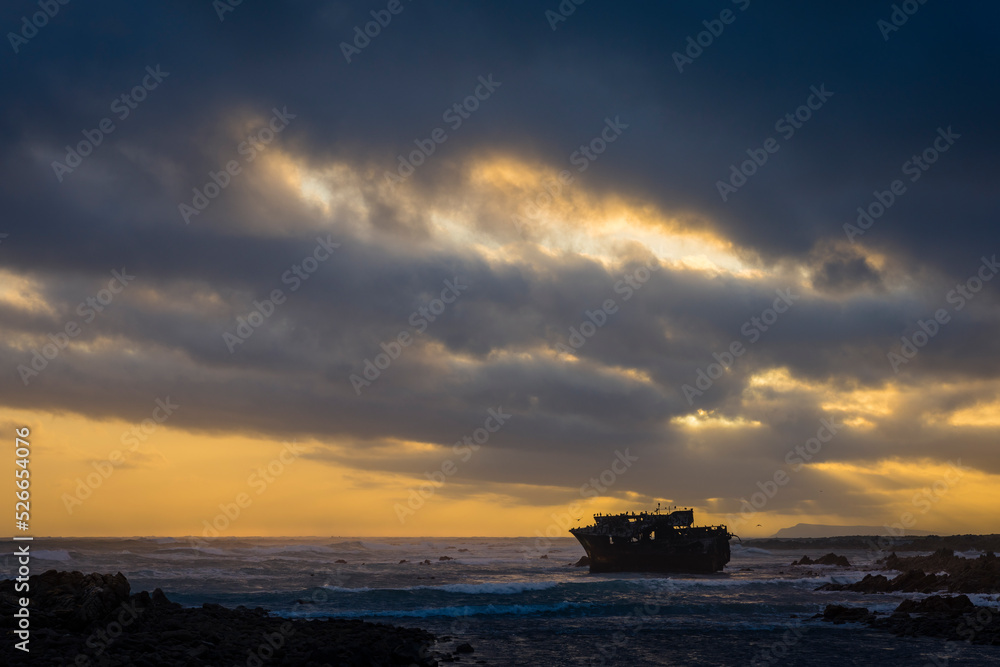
[(767, 249)]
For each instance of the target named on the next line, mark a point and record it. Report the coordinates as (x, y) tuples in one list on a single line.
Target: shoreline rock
[(829, 559), (882, 544), (961, 575), (951, 618), (94, 619)]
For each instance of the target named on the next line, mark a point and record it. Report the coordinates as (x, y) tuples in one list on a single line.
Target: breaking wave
[(512, 588), (454, 612)]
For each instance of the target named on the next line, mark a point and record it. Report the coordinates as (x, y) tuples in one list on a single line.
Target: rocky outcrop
[(94, 616), (965, 575), (69, 599), (583, 562), (949, 573), (870, 543), (914, 581), (829, 559), (951, 618), (937, 604), (838, 614)]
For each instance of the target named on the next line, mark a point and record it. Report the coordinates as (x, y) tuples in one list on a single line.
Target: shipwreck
[(654, 542)]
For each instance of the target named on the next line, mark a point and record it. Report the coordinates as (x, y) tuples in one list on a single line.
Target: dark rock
[(464, 648), (159, 600), (67, 608), (872, 583), (340, 560), (446, 558), (937, 604), (403, 561), (68, 599), (829, 559), (839, 614), (583, 562), (965, 575), (914, 581), (926, 543), (544, 556), (950, 618)]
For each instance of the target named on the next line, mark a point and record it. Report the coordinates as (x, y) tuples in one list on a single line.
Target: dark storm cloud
[(119, 208), (889, 98)]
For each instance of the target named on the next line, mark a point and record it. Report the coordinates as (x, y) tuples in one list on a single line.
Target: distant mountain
[(822, 530)]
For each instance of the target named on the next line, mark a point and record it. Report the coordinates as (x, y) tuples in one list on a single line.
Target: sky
[(405, 268)]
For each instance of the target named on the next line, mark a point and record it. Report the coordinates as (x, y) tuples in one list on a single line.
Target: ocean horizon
[(519, 603)]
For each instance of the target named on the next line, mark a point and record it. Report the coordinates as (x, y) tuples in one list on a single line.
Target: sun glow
[(502, 203)]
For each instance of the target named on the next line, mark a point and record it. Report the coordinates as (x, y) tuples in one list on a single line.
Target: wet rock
[(965, 575), (914, 581), (70, 609), (446, 558), (829, 559), (544, 556), (464, 648), (340, 560), (839, 614), (69, 599), (950, 618), (583, 562), (937, 604)]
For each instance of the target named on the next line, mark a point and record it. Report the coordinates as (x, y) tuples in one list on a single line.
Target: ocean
[(517, 608)]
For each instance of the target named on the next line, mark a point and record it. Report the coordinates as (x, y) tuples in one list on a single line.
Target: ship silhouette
[(654, 542)]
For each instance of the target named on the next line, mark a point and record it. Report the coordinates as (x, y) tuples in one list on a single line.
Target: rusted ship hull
[(694, 555), (654, 542)]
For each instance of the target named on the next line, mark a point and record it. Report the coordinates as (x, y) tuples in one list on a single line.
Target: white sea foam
[(733, 582), (985, 600), (750, 550), (511, 588), (453, 612), (497, 588), (291, 549)]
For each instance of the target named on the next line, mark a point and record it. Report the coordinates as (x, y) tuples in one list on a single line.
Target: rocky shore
[(94, 619), (829, 559), (950, 618), (954, 618), (881, 544), (941, 571)]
